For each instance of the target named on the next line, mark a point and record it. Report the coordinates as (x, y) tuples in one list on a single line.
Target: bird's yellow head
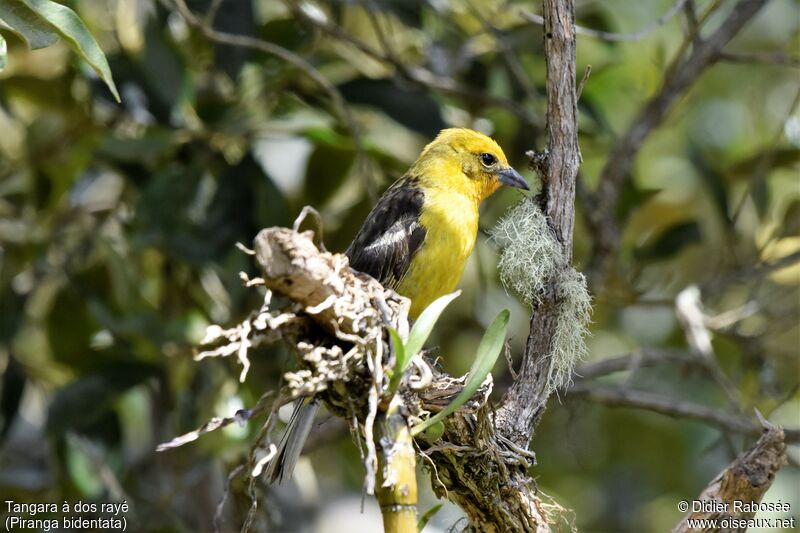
[(466, 161)]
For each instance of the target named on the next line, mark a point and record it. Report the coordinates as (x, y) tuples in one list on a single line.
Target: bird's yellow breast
[(451, 223)]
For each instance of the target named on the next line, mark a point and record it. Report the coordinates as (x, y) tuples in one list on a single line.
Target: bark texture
[(744, 481), (525, 401)]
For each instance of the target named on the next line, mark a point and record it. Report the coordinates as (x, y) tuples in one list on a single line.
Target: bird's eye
[(488, 159)]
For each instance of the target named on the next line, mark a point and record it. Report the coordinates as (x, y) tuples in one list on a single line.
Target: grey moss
[(568, 344), (530, 251), (530, 256)]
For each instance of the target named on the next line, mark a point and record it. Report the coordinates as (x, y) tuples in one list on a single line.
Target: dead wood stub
[(744, 481), (339, 298)]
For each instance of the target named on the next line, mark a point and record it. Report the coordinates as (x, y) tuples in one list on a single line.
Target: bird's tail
[(291, 444)]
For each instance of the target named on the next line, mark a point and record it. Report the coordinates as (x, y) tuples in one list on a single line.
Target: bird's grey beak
[(509, 176)]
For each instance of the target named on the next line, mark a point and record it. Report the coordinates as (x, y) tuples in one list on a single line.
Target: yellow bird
[(419, 235), (417, 239)]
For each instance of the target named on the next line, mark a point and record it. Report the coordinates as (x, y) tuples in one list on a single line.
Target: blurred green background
[(118, 224)]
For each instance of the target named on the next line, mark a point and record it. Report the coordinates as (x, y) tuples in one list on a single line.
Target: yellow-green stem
[(397, 476)]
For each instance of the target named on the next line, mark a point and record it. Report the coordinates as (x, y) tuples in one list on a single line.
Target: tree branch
[(641, 358), (336, 322), (762, 58), (682, 74), (244, 41), (744, 481), (525, 400), (618, 37), (414, 74), (626, 397), (752, 273)]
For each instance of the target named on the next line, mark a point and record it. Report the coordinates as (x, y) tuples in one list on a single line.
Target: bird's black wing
[(391, 234)]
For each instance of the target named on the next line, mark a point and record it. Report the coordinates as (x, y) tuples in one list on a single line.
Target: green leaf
[(791, 220), (424, 324), (714, 181), (323, 136), (424, 519), (670, 241), (331, 162), (3, 53), (434, 433), (400, 362), (762, 162), (404, 353), (489, 348), (154, 144), (80, 466), (83, 404), (26, 23), (70, 26), (632, 198), (759, 192)]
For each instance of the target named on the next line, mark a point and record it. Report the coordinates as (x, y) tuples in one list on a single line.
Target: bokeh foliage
[(118, 224)]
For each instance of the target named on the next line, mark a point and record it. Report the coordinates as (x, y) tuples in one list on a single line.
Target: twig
[(754, 272), (508, 52), (694, 37), (99, 461), (586, 73), (688, 309), (627, 397), (241, 416), (766, 158), (288, 56), (642, 358), (510, 361), (371, 457), (371, 8), (617, 37), (224, 498), (693, 25), (727, 319), (765, 58), (415, 74), (211, 14)]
